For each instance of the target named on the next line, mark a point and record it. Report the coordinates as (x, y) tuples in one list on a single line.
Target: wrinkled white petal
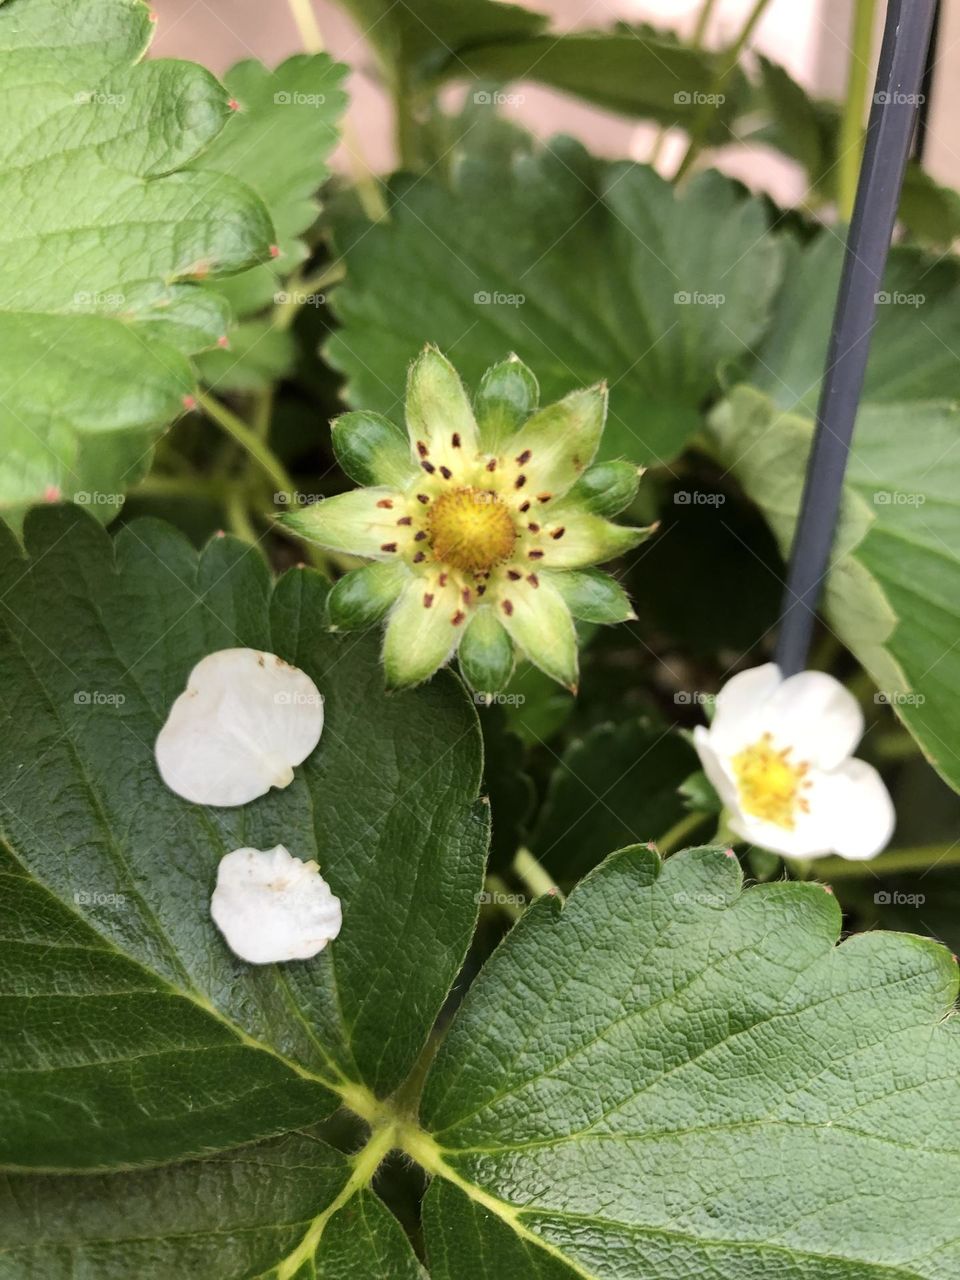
[(862, 815), (271, 907), (242, 724), (820, 719), (739, 711)]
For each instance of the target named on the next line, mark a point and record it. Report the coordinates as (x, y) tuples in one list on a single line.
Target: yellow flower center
[(471, 530), (770, 783)]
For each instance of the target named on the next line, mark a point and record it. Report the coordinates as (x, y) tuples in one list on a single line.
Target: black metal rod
[(906, 39)]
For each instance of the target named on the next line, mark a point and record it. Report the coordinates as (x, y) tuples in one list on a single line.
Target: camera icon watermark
[(98, 698), (296, 297), (896, 99), (898, 498), (94, 498), (495, 898), (286, 98), (698, 498), (696, 98), (496, 298), (291, 698), (92, 898), (894, 898), (897, 698), (693, 698), (897, 298), (496, 98), (697, 298), (96, 98)]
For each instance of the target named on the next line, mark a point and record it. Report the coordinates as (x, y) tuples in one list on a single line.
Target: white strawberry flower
[(780, 755), (244, 722), (272, 907)]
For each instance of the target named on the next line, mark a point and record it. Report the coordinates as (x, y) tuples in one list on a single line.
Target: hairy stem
[(851, 125), (897, 861), (247, 438), (702, 118), (536, 879), (675, 837), (311, 36)]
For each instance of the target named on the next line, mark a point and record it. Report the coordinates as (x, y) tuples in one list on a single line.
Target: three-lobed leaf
[(107, 231), (672, 1077), (588, 271), (148, 1040), (283, 127)]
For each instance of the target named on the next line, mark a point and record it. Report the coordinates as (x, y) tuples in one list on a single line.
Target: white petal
[(807, 839), (271, 906), (817, 717), (739, 716), (244, 721), (856, 809), (714, 767)]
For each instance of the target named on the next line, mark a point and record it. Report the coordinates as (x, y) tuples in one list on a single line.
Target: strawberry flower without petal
[(482, 523)]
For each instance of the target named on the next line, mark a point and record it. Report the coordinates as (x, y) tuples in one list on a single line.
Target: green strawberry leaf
[(893, 594), (586, 270), (148, 1040), (260, 1212), (420, 39), (617, 785), (635, 70), (670, 1077), (278, 140), (107, 232)]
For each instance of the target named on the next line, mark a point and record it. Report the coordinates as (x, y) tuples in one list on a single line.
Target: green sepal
[(607, 488), (509, 393), (699, 795), (590, 539), (486, 653), (359, 522), (362, 597), (593, 596), (562, 439), (372, 450), (437, 405)]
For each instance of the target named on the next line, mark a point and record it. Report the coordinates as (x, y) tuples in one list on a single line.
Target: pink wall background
[(809, 38)]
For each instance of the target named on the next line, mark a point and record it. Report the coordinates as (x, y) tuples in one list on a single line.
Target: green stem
[(300, 289), (703, 21), (696, 42), (501, 894), (238, 517), (897, 861), (247, 438), (405, 123), (161, 485), (675, 837), (311, 36), (851, 125), (702, 118), (894, 746), (537, 880)]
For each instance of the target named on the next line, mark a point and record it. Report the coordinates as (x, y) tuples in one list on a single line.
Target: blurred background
[(811, 40)]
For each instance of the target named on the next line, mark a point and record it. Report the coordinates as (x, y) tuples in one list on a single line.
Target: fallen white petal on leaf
[(271, 907), (242, 724)]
